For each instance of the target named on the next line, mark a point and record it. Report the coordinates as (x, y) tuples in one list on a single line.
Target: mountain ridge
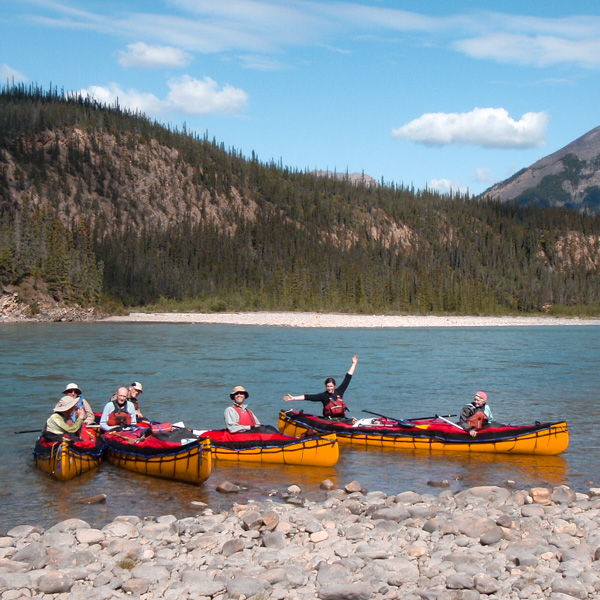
[(568, 178)]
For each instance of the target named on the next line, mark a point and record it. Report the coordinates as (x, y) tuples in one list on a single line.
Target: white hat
[(66, 403), (136, 385), (72, 386)]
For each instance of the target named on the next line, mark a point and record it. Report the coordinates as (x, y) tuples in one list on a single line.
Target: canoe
[(274, 448), (433, 434), (65, 460), (166, 455)]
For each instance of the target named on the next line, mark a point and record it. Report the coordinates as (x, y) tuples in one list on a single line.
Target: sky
[(453, 96)]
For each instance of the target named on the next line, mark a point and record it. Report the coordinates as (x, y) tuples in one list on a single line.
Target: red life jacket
[(336, 407), (119, 416), (246, 417)]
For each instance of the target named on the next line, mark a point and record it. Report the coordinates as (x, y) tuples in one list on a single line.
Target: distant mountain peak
[(569, 178)]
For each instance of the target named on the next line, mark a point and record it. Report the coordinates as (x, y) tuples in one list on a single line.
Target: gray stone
[(396, 513), (54, 582), (136, 586), (353, 486), (34, 554), (460, 581), (491, 536), (345, 591), (274, 539), (248, 586), (251, 520), (335, 573), (232, 546), (150, 572), (226, 487), (569, 586), (486, 584)]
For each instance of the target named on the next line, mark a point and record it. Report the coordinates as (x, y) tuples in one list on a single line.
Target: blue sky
[(440, 94)]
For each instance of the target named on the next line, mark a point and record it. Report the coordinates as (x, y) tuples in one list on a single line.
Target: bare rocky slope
[(570, 177)]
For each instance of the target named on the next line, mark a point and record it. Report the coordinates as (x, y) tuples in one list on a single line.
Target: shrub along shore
[(482, 543)]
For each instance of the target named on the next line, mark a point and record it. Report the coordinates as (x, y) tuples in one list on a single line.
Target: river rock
[(486, 542)]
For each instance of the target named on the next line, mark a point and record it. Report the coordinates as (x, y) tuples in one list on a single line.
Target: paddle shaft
[(404, 420), (40, 431)]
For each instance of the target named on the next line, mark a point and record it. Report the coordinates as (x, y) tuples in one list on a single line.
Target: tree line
[(284, 239)]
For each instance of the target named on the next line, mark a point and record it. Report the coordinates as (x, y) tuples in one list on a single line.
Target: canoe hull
[(546, 439), (314, 451), (191, 463), (64, 461)]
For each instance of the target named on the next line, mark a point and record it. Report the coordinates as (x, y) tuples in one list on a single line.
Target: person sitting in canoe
[(118, 413), (72, 389), (239, 418), (331, 399), (135, 389), (59, 425), (475, 415)]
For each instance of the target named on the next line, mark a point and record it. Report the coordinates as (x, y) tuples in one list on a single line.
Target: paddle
[(399, 421), (40, 431), (409, 422)]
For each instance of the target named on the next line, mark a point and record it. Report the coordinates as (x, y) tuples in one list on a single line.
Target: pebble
[(484, 543)]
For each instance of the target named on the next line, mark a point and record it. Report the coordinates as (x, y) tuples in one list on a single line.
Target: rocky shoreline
[(308, 319), (486, 542)]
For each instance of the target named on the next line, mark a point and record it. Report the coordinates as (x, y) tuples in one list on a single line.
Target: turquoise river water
[(545, 373)]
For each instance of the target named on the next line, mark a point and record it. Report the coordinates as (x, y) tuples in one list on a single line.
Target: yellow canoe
[(314, 451), (435, 434), (190, 462), (66, 460)]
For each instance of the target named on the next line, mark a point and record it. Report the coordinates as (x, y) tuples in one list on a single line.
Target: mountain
[(568, 178), (98, 203)]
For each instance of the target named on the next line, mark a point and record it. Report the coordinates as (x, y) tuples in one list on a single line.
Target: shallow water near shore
[(188, 371)]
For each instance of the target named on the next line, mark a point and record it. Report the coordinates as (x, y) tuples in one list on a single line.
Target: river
[(188, 370)]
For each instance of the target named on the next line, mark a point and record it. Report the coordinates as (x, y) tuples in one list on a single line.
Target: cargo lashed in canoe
[(162, 455), (274, 448), (433, 434), (66, 459)]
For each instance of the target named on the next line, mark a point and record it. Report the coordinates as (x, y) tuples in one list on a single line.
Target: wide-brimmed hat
[(136, 385), (72, 386), (481, 396), (238, 389), (66, 403)]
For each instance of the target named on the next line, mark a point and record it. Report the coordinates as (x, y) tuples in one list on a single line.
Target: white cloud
[(483, 175), (153, 57), (187, 95), (132, 99), (11, 75), (198, 97), (445, 186), (486, 127), (539, 51)]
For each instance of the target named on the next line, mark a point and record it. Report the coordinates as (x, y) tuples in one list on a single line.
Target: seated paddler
[(60, 425), (332, 400), (475, 415), (118, 413), (239, 418)]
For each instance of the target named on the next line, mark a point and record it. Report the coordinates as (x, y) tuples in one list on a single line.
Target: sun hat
[(481, 396), (136, 385), (72, 386), (66, 403), (238, 389)]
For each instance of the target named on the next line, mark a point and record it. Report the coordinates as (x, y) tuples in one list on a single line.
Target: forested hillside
[(98, 201)]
